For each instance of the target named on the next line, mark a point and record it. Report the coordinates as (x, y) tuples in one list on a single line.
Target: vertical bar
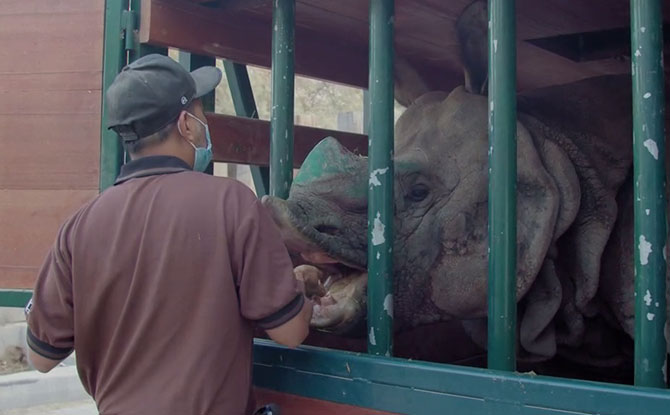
[(366, 111), (502, 186), (380, 167), (283, 78), (245, 106), (649, 170), (140, 49), (114, 58), (192, 62)]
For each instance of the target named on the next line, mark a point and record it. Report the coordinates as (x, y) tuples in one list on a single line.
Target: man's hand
[(311, 280)]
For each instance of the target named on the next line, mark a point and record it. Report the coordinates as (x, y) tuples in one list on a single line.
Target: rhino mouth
[(336, 280)]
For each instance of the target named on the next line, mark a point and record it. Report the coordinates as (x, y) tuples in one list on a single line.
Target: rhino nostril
[(327, 229)]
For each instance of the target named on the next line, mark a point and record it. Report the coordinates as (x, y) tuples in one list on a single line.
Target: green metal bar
[(502, 186), (140, 49), (650, 203), (15, 298), (192, 62), (380, 168), (283, 79), (245, 106), (111, 153), (412, 387)]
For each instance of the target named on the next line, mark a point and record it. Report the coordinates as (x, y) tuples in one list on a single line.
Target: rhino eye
[(418, 192)]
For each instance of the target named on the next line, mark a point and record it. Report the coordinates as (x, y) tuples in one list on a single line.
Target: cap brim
[(206, 79)]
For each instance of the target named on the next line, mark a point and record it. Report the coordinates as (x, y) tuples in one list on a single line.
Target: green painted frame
[(411, 387), (403, 386)]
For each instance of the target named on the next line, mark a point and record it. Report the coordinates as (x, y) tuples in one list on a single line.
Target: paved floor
[(86, 407)]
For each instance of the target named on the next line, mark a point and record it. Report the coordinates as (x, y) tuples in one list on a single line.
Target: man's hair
[(134, 147)]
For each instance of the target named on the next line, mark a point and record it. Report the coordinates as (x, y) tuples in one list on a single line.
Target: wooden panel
[(35, 102), (13, 277), (51, 42), (51, 81), (425, 34), (29, 220), (49, 151), (52, 7), (298, 405), (247, 141), (226, 35)]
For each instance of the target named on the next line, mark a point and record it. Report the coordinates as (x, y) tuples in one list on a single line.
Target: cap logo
[(184, 100)]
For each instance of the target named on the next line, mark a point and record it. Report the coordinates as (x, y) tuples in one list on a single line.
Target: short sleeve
[(50, 311), (268, 291)]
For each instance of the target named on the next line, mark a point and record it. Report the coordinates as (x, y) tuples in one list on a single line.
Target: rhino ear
[(409, 85), (472, 31)]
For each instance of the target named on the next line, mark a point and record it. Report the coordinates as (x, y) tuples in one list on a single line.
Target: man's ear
[(185, 127)]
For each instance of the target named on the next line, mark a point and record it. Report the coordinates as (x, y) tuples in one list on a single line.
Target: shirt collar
[(151, 166)]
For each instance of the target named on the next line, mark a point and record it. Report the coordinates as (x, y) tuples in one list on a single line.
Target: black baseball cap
[(151, 92)]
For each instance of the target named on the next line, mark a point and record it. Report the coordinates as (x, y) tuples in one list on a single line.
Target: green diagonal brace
[(245, 106)]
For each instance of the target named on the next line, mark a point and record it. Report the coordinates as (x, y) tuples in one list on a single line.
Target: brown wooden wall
[(50, 89)]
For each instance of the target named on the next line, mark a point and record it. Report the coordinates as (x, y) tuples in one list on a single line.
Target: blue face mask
[(203, 155)]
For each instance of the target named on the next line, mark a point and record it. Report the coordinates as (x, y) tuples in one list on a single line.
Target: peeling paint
[(371, 338), (379, 255), (643, 29), (638, 53), (650, 316), (495, 45), (388, 305), (378, 231), (647, 95), (647, 211), (652, 147), (645, 250), (647, 298), (491, 105), (374, 181), (656, 304)]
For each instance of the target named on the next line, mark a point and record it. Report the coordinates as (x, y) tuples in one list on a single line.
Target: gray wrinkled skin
[(574, 206)]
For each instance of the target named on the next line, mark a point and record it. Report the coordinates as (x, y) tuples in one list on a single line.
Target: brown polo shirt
[(157, 285)]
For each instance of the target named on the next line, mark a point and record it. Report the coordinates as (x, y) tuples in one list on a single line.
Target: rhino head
[(441, 192)]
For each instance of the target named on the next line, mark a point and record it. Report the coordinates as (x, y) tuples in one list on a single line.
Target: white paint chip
[(650, 316), (647, 211), (645, 250), (378, 231), (379, 255), (388, 305), (652, 147), (495, 45), (643, 29), (491, 105), (372, 339), (656, 304), (647, 298), (374, 180), (647, 95), (638, 53)]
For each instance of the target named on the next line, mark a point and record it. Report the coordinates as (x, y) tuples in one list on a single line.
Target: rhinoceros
[(575, 243)]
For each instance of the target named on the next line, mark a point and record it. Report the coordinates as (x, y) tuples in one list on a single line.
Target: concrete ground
[(28, 392), (71, 408)]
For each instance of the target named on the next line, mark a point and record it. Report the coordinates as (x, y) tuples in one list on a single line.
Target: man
[(158, 283)]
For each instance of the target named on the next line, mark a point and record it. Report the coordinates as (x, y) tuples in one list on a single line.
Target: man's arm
[(293, 332)]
